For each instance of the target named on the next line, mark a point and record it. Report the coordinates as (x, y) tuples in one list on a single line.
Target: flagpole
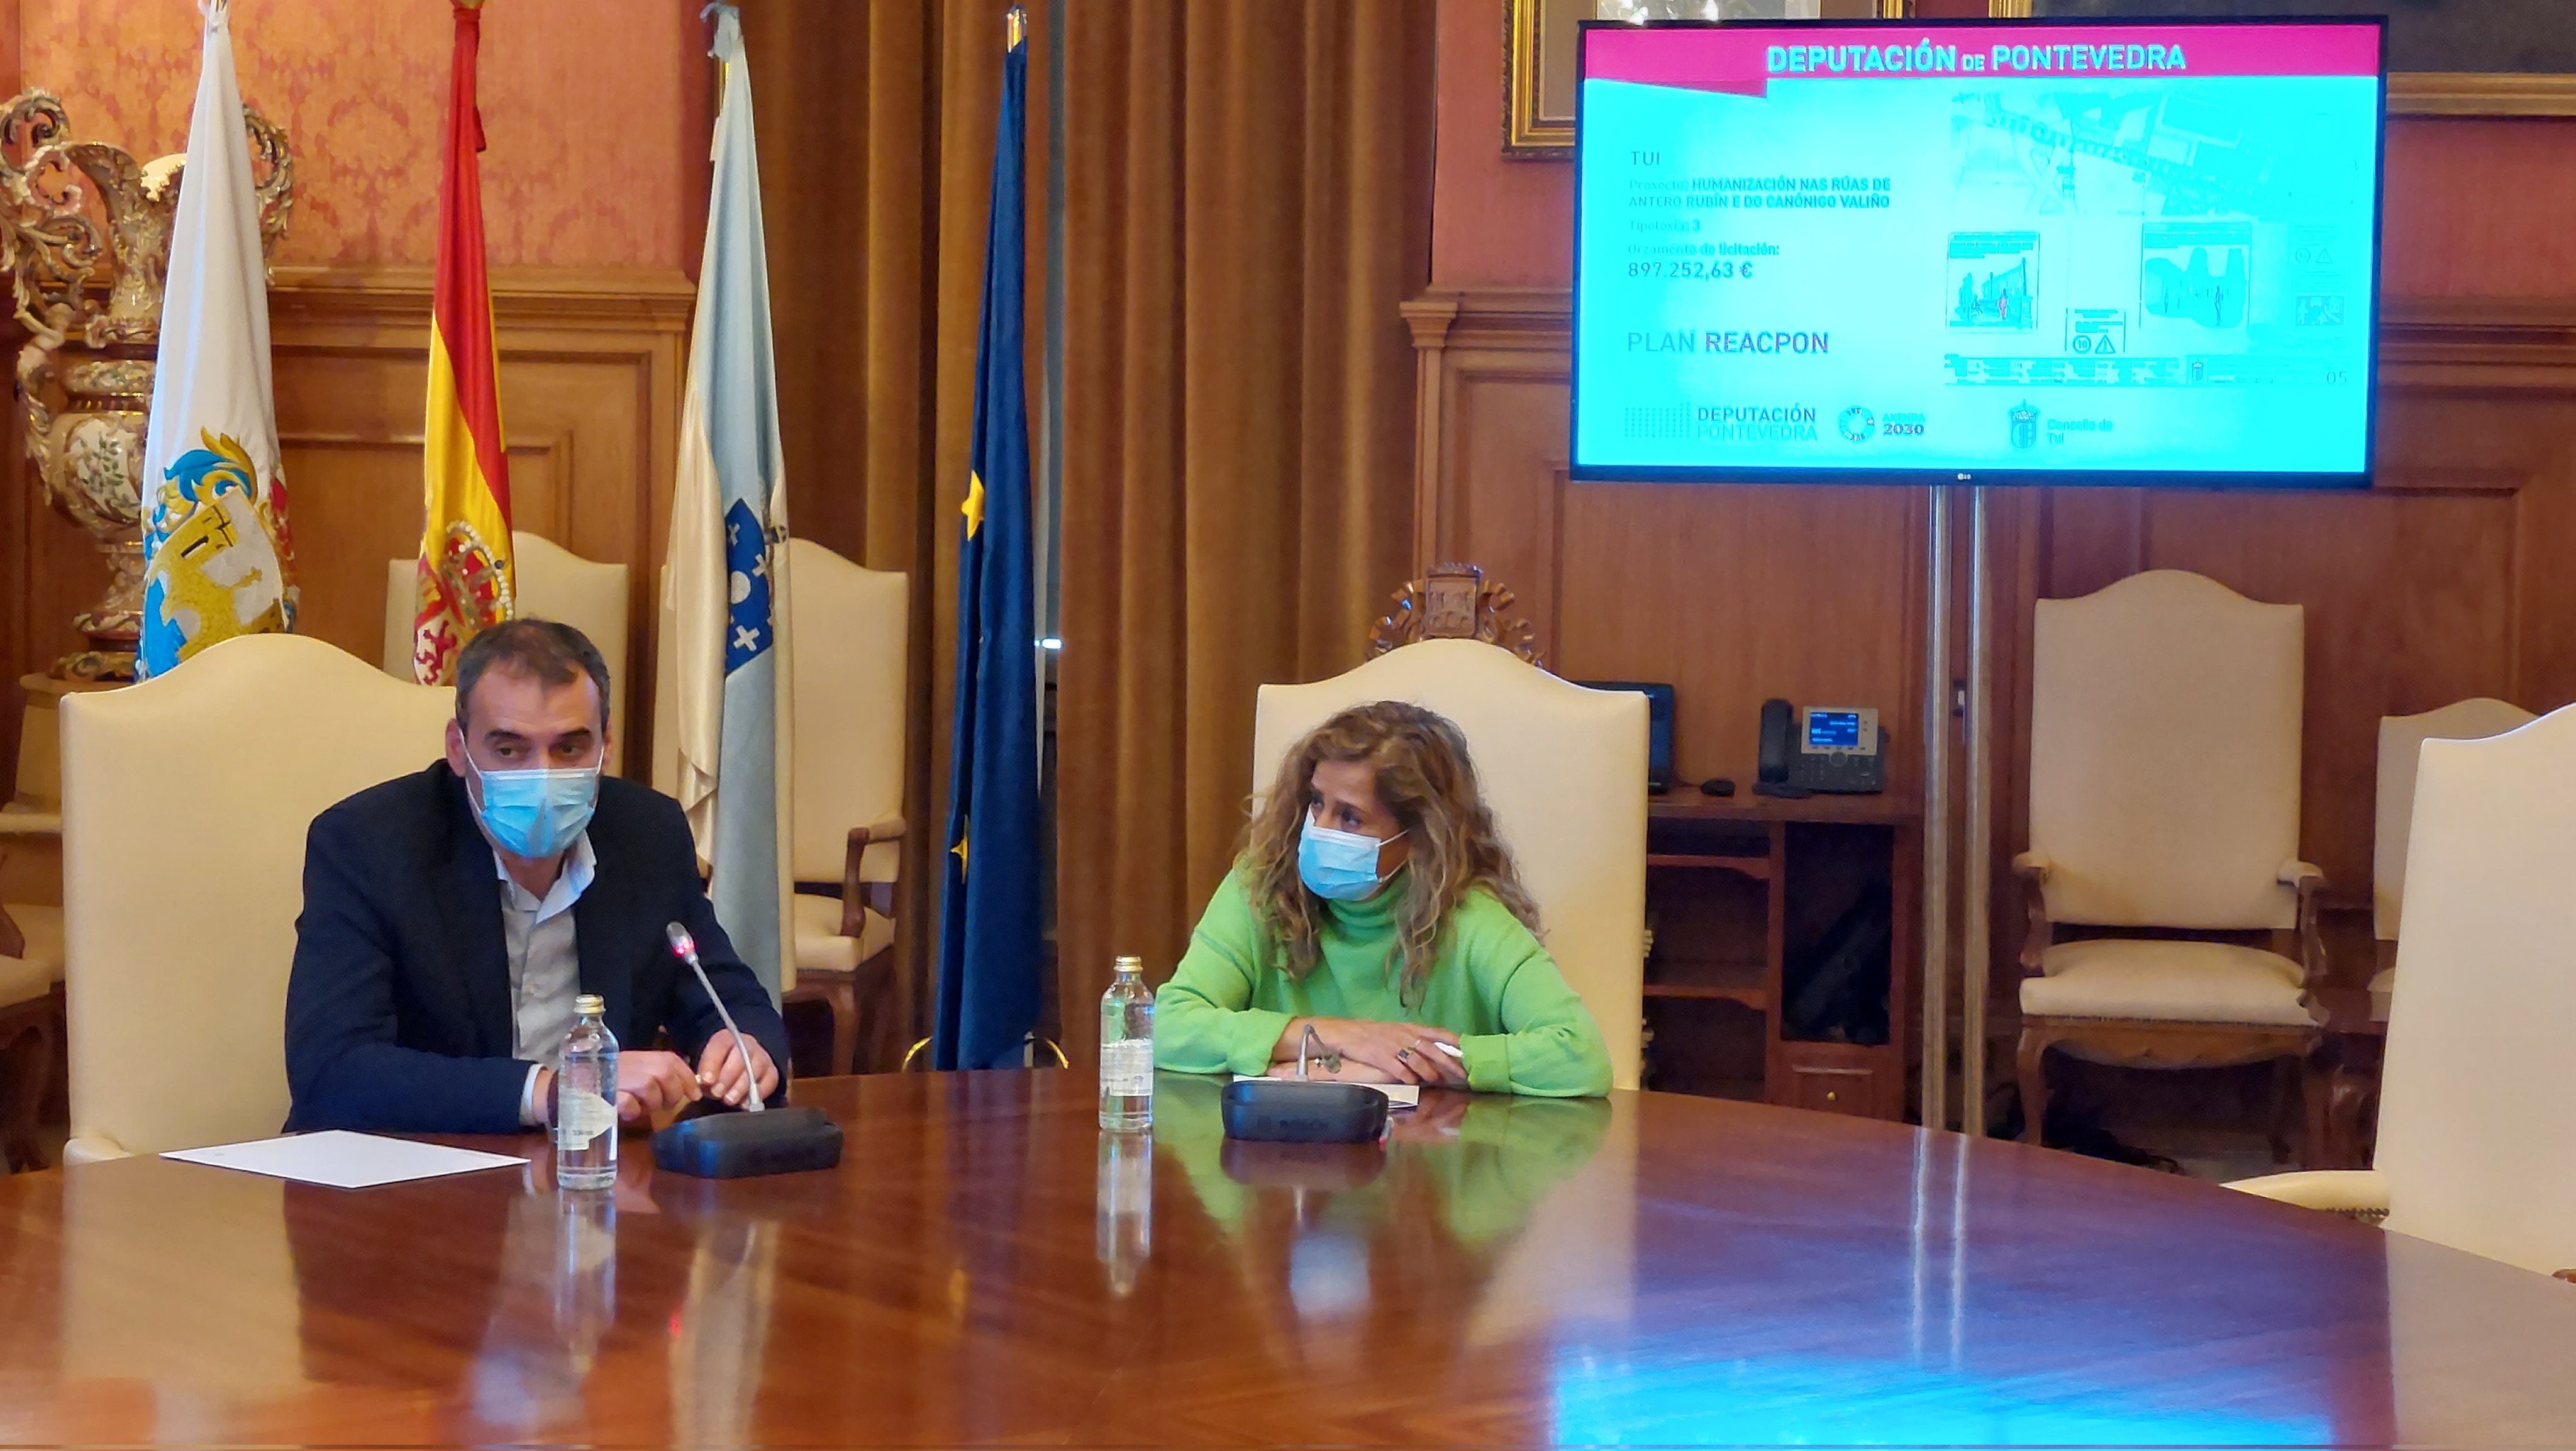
[(989, 992)]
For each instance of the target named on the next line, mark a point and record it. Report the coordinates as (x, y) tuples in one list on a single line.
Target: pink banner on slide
[(1744, 60)]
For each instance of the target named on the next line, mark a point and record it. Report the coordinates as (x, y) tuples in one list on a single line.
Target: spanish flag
[(465, 573)]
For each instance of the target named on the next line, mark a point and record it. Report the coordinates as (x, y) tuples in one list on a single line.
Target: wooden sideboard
[(2440, 582), (1744, 897)]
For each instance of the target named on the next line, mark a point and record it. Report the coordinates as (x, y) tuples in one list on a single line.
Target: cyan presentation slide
[(2039, 249)]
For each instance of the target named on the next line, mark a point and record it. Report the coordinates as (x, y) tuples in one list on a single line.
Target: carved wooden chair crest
[(1455, 602)]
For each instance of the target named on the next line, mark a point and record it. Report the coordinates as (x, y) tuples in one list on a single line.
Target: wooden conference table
[(1653, 1270)]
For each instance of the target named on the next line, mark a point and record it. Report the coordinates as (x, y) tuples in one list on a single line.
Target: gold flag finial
[(1015, 27)]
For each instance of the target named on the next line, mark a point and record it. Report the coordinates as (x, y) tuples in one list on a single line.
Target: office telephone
[(1820, 749)]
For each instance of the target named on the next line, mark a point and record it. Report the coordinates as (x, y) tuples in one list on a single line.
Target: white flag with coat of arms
[(216, 550), (726, 581)]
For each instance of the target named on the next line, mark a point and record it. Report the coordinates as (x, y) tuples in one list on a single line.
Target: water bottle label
[(580, 1118), (1127, 1068)]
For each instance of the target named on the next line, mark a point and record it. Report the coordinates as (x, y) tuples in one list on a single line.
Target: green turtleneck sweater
[(1522, 1029)]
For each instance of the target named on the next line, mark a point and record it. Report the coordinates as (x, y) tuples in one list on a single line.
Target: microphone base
[(780, 1140), (1284, 1111)]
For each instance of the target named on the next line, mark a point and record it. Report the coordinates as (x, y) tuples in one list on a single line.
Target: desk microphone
[(719, 1145), (687, 948)]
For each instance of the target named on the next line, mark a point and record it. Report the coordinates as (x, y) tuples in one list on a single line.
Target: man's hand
[(720, 1069), (1393, 1052), (650, 1083)]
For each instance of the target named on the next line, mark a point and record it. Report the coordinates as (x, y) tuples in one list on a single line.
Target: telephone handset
[(1832, 749)]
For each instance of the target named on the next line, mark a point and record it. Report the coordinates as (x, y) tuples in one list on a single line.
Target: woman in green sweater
[(1374, 905)]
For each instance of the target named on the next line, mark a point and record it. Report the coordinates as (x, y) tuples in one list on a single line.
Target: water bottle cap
[(1131, 964), (590, 1005)]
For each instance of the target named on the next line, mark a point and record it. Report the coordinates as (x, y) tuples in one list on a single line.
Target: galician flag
[(728, 549), (464, 578), (215, 547)]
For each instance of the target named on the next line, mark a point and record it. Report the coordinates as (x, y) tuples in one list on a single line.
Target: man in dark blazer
[(451, 917)]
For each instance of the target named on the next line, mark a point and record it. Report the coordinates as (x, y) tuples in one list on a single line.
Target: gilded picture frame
[(1538, 68)]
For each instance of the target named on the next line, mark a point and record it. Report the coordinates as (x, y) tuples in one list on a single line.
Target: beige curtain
[(1247, 202), (876, 151)]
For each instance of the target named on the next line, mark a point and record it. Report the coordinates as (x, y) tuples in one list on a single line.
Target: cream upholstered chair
[(187, 799), (31, 1001), (2479, 1086), (2401, 741), (31, 939), (2164, 794), (553, 584), (1564, 769), (846, 641)]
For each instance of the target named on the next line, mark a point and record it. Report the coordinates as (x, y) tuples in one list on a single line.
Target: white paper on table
[(344, 1160), (1398, 1095)]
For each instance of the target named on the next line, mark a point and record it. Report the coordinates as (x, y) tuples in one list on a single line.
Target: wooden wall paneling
[(63, 574), (590, 390), (1739, 593), (2363, 566), (2418, 592), (1733, 593), (590, 379), (1491, 407), (2442, 581)]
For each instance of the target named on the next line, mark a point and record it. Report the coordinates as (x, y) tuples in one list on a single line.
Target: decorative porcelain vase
[(85, 236)]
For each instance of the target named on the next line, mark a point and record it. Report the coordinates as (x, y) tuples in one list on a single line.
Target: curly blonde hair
[(1423, 775)]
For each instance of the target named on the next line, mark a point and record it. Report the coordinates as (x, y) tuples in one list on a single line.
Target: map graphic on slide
[(1992, 278), (2142, 152)]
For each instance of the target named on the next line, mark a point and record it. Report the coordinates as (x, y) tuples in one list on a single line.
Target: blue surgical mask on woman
[(1339, 866), (536, 813)]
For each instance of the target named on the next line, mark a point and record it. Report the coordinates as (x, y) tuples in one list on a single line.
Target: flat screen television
[(2117, 252)]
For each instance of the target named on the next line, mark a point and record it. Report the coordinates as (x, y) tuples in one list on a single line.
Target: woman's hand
[(1351, 1070), (1394, 1052), (1436, 1121)]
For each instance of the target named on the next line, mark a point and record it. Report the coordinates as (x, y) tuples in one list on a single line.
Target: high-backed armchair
[(186, 800), (31, 1000), (2401, 741), (553, 583), (2164, 794), (846, 642), (2479, 1087), (1563, 769)]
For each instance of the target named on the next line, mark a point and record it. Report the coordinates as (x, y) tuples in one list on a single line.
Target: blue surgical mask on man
[(1339, 866), (536, 813)]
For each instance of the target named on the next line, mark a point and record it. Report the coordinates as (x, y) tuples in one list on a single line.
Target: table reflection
[(988, 1269), (720, 1337), (1349, 1251), (554, 1298), (1123, 1213), (538, 1303), (1938, 1308)]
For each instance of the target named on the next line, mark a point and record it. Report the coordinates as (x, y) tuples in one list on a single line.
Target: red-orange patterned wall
[(583, 104)]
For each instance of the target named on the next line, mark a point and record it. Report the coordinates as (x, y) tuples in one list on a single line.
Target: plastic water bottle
[(1123, 1207), (586, 1101), (1127, 1050)]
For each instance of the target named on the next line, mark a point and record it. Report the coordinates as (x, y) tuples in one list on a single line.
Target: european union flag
[(989, 940)]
